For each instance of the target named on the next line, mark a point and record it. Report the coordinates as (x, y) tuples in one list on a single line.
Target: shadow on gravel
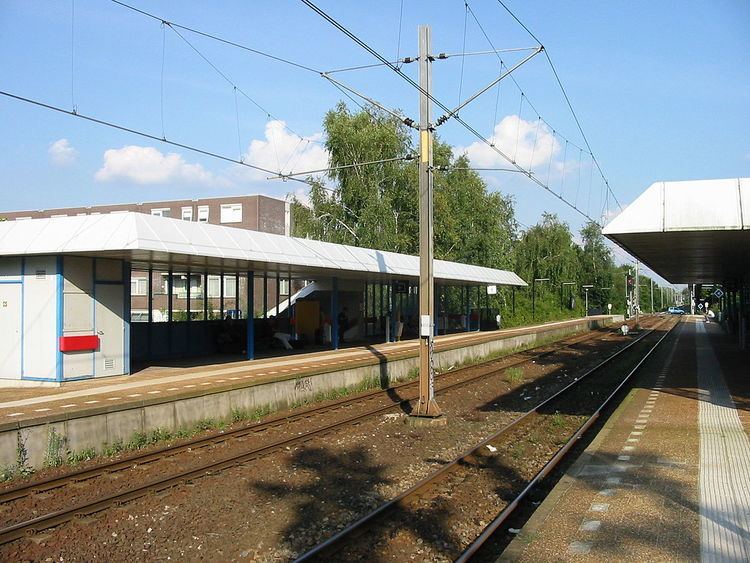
[(341, 488), (385, 382)]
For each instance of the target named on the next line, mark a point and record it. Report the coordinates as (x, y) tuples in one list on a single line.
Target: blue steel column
[(250, 316), (392, 308), (170, 290), (126, 275), (479, 309), (334, 313), (59, 288), (465, 292), (150, 302), (265, 295)]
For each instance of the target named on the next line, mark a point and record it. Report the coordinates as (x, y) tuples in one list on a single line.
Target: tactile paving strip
[(724, 464)]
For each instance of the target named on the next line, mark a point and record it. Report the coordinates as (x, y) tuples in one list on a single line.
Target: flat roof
[(161, 242), (689, 232)]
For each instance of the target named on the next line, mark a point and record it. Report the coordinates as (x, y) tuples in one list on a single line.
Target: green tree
[(371, 206), (376, 206), (597, 266)]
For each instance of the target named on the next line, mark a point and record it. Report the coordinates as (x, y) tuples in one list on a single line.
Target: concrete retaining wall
[(97, 428)]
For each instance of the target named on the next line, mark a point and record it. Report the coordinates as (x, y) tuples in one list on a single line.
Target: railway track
[(397, 396), (406, 517)]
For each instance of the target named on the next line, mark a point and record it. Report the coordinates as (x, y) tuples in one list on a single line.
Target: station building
[(74, 303)]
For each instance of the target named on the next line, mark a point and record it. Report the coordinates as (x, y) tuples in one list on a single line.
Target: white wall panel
[(40, 317)]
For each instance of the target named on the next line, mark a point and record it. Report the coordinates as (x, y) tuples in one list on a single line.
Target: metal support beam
[(335, 313), (250, 345), (427, 406)]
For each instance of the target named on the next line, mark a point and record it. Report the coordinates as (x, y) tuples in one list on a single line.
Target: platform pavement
[(668, 477), (27, 404)]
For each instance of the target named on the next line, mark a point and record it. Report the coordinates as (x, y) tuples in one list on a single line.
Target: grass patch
[(514, 375)]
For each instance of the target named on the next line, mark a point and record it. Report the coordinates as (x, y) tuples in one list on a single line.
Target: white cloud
[(62, 153), (282, 150), (528, 143), (147, 165)]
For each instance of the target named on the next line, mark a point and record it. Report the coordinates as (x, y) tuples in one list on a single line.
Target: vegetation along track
[(487, 482), (399, 395)]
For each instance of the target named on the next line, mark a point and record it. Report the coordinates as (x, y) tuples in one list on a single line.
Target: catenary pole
[(427, 406)]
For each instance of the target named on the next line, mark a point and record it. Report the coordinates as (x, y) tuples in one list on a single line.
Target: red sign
[(78, 343)]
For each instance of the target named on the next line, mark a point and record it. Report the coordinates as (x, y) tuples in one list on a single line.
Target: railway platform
[(668, 476), (94, 412)]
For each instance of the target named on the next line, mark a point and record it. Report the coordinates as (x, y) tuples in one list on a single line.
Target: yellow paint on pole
[(424, 146)]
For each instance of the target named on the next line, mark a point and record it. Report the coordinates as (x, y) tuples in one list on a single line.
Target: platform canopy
[(689, 232), (160, 242)]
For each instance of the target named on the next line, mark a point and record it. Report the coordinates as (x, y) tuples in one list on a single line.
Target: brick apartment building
[(220, 293), (254, 212)]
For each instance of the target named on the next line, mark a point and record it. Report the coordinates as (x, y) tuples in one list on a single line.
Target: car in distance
[(675, 311)]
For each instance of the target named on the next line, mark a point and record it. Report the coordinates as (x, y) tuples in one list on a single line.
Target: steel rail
[(492, 527), (82, 474), (29, 527), (335, 543)]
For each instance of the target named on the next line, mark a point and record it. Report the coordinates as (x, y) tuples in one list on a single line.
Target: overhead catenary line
[(143, 134), (341, 167), (405, 120), (477, 168), (72, 54), (437, 102), (474, 96), (217, 38), (567, 99), (440, 56)]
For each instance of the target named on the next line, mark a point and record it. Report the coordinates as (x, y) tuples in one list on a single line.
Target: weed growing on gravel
[(238, 415), (79, 457), (22, 457), (514, 375), (53, 454), (6, 473), (113, 449), (557, 420), (518, 450)]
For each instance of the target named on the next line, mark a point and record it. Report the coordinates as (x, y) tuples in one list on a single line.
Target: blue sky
[(662, 90)]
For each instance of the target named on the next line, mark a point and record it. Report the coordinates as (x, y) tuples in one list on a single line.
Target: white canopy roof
[(147, 240), (689, 232)]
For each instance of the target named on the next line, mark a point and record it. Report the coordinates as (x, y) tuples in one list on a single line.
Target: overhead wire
[(217, 38), (565, 95), (463, 59), (341, 167), (436, 101), (137, 132), (400, 21), (72, 54)]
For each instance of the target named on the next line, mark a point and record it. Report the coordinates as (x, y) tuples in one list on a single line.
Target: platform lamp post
[(533, 295), (586, 289), (561, 292)]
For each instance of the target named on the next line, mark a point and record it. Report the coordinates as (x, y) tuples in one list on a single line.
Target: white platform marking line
[(724, 464)]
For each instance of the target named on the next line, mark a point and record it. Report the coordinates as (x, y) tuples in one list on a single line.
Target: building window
[(60, 215), (138, 286), (187, 213), (283, 287), (203, 213), (214, 287), (23, 218), (231, 213), (161, 212)]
